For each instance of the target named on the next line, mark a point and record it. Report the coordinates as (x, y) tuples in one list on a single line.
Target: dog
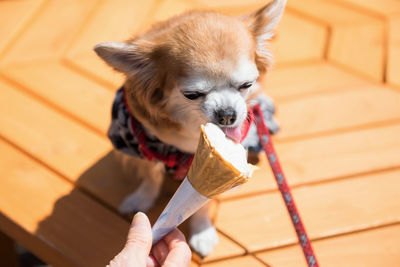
[(191, 69)]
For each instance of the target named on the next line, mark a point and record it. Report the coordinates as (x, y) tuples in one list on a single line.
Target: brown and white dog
[(194, 68)]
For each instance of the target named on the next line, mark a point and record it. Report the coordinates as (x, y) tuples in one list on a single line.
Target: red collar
[(247, 123)]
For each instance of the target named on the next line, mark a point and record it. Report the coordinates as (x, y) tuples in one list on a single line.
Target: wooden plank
[(68, 90), (357, 40), (378, 247), (261, 181), (330, 12), (14, 16), (8, 251), (39, 44), (317, 159), (231, 3), (364, 202), (291, 30), (286, 83), (257, 222), (91, 66), (361, 48), (236, 262), (394, 52), (54, 139), (112, 21), (382, 7), (169, 8), (287, 256), (49, 217), (336, 111), (224, 249), (193, 264), (326, 209)]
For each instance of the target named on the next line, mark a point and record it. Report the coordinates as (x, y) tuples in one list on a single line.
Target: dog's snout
[(226, 116)]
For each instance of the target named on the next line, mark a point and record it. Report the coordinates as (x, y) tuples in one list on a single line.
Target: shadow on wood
[(107, 183)]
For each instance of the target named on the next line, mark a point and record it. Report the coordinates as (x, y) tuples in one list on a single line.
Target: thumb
[(139, 238)]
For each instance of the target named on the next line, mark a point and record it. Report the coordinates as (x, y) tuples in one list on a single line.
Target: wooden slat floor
[(336, 84)]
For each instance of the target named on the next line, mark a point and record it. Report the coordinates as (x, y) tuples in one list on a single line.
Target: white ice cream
[(231, 151)]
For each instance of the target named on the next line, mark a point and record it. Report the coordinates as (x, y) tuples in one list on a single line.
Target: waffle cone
[(210, 174)]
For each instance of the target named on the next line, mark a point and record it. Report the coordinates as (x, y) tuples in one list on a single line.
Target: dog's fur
[(203, 55)]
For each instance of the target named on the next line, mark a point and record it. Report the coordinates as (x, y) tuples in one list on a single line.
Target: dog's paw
[(136, 202), (204, 241)]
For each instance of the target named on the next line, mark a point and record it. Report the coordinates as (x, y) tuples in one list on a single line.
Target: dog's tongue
[(233, 133)]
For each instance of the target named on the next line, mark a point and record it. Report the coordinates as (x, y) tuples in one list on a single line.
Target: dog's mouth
[(234, 133)]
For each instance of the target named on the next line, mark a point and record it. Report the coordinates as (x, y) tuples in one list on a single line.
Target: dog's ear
[(263, 22), (126, 57)]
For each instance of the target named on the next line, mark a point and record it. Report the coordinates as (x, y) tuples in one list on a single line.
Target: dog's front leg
[(145, 196), (203, 236)]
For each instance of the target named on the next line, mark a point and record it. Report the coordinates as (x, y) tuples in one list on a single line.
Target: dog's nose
[(226, 116)]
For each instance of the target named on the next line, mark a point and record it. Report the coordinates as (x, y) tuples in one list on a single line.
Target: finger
[(174, 236), (179, 251), (152, 262), (139, 238), (160, 251)]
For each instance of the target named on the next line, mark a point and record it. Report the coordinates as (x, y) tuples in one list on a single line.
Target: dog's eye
[(245, 86), (193, 95)]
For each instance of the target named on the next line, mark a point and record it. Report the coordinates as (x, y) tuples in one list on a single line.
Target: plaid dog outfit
[(129, 136)]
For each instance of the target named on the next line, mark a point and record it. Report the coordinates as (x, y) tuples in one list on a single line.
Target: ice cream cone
[(211, 173), (218, 165)]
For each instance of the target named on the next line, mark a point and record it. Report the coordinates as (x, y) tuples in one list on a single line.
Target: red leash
[(265, 139)]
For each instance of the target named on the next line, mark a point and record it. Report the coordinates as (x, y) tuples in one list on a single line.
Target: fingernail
[(139, 219)]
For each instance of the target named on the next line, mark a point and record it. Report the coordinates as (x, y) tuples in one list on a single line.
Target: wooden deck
[(337, 88)]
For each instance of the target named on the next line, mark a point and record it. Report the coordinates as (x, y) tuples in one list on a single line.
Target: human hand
[(171, 251)]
